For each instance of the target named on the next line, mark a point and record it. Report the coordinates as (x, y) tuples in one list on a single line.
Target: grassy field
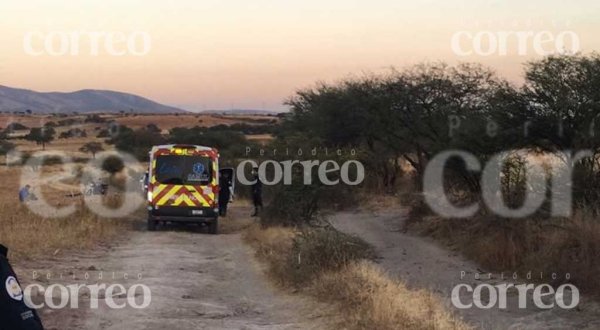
[(30, 230), (30, 235), (164, 122)]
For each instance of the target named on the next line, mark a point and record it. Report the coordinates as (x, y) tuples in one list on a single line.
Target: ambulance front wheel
[(151, 224)]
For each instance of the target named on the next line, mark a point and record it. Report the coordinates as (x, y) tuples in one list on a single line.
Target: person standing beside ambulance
[(256, 192)]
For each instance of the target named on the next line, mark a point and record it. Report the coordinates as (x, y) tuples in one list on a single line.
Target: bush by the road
[(334, 268)]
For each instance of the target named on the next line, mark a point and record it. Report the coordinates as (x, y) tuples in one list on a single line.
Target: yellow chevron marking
[(168, 195), (158, 189), (178, 201), (198, 196), (183, 198)]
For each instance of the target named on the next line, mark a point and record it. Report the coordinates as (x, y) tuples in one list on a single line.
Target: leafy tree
[(563, 108), (137, 142), (67, 122), (95, 118), (74, 132), (230, 144), (92, 147), (41, 135), (406, 115), (113, 165), (564, 101)]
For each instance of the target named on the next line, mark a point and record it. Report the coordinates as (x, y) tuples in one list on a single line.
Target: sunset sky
[(254, 54)]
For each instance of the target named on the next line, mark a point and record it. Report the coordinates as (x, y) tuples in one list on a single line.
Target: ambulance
[(183, 185)]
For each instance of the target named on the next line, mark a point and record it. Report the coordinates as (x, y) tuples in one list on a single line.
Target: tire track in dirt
[(422, 263), (198, 281)]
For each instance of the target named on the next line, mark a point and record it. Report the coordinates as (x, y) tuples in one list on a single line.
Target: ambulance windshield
[(188, 170)]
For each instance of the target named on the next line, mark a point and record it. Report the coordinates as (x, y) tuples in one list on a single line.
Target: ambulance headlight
[(216, 210), (149, 195)]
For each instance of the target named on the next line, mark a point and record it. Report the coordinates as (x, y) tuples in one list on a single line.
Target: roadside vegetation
[(399, 121), (337, 269)]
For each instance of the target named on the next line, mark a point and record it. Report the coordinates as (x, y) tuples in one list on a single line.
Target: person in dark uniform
[(256, 192), (14, 313), (224, 192)]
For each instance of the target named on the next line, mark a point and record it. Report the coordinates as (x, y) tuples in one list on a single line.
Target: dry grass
[(29, 236), (371, 300), (381, 202), (260, 138), (166, 122), (537, 245), (273, 245), (364, 294), (27, 120), (238, 217), (70, 146)]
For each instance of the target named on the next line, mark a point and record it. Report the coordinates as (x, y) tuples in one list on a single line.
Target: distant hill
[(240, 112), (87, 100)]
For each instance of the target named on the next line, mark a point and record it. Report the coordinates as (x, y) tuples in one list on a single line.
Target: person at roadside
[(14, 313), (25, 193), (224, 192), (256, 192)]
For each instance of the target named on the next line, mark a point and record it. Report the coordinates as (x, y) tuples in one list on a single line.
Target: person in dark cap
[(14, 313), (256, 192)]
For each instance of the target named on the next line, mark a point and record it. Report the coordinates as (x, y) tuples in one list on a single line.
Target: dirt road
[(422, 263), (197, 281)]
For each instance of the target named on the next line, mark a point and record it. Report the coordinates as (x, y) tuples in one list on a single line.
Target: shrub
[(94, 119), (16, 127), (298, 203), (6, 147), (331, 266), (317, 250), (113, 164), (103, 134)]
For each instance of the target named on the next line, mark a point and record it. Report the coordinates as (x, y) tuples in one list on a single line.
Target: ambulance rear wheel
[(213, 227), (151, 225)]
